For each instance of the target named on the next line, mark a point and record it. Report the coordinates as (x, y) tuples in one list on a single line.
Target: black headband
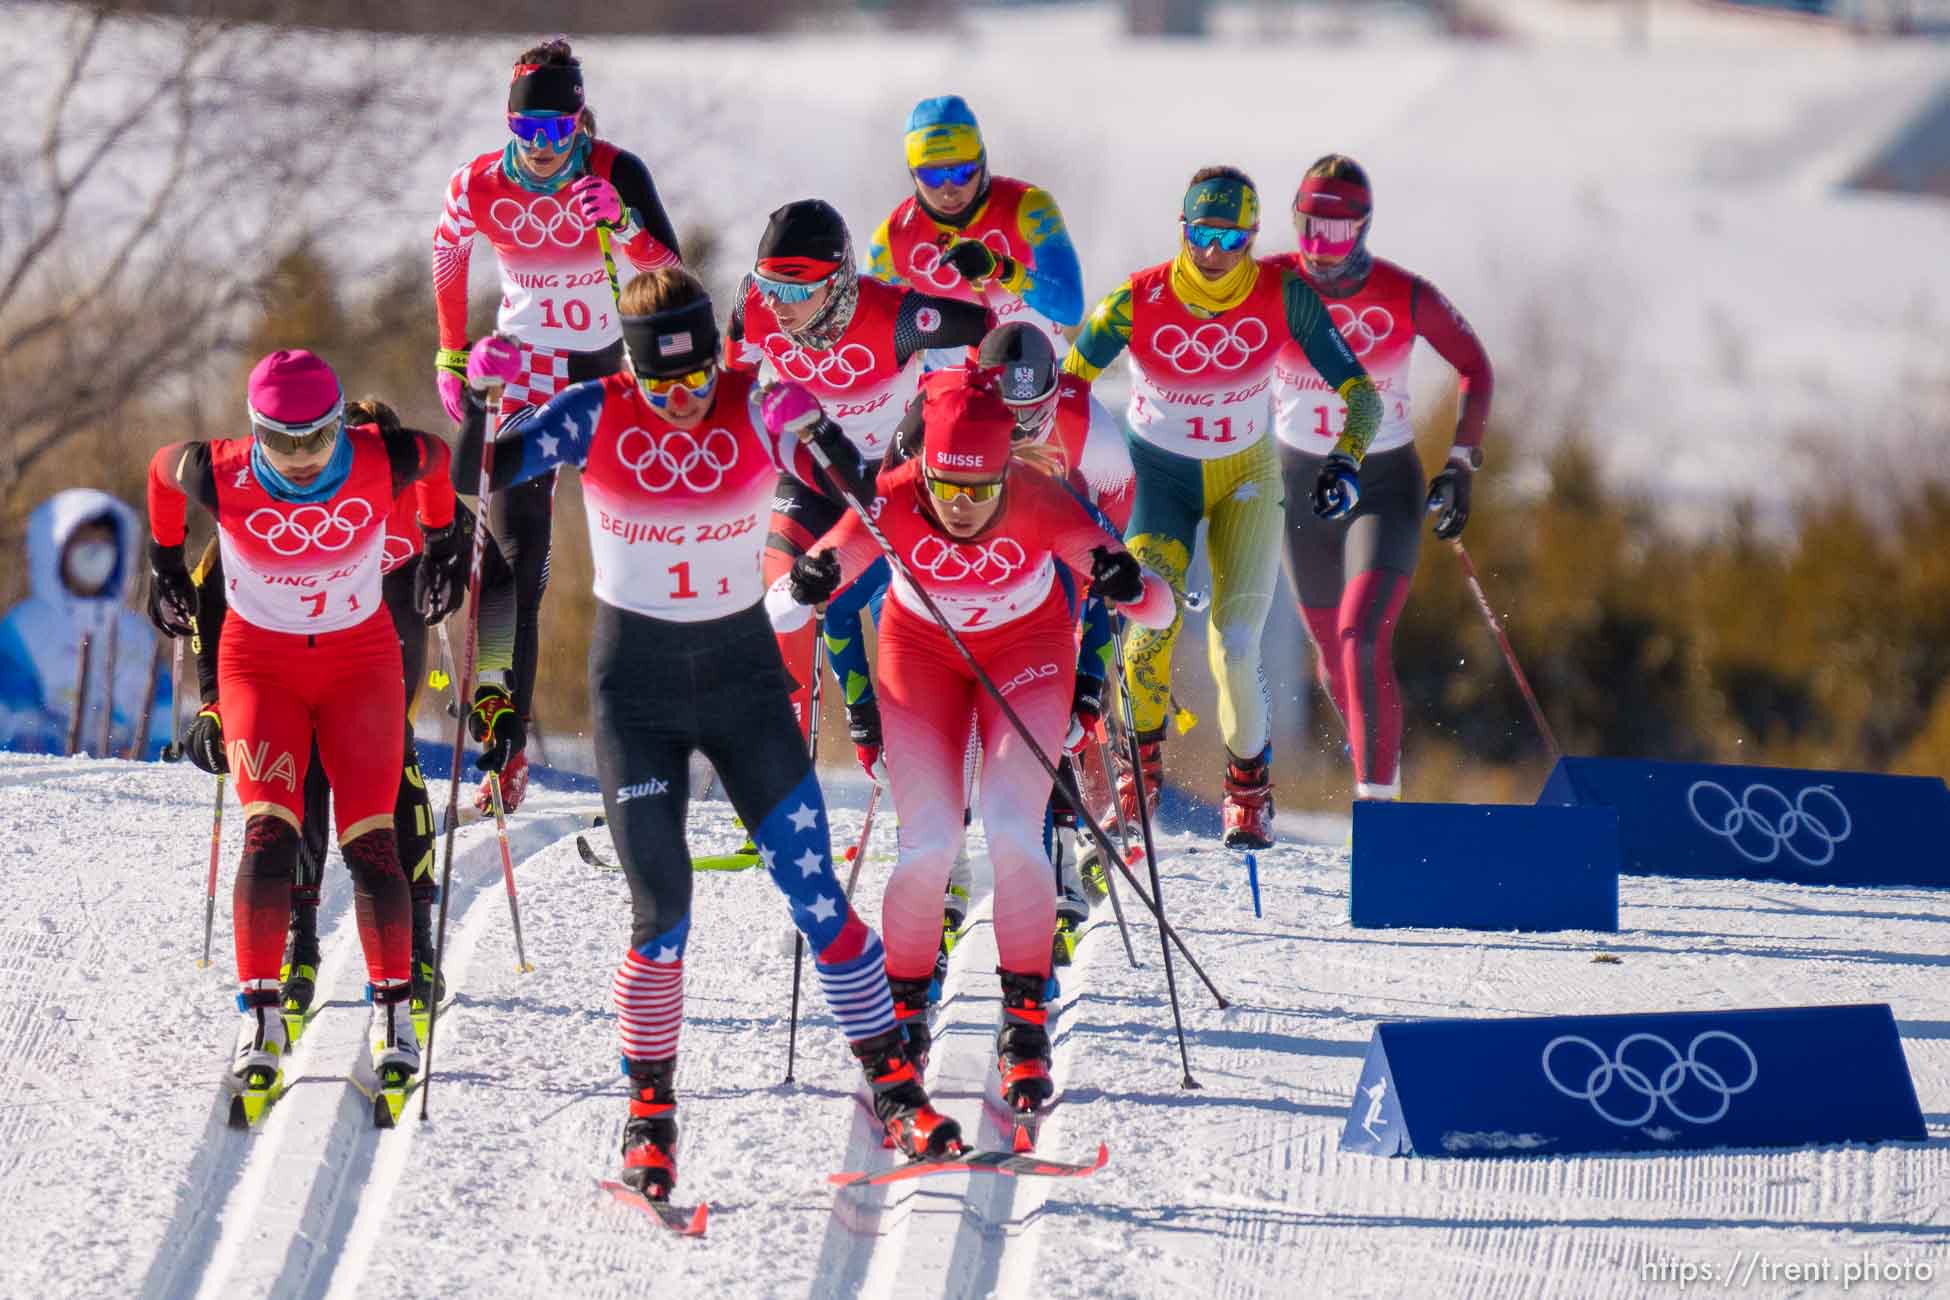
[(673, 342), (545, 88)]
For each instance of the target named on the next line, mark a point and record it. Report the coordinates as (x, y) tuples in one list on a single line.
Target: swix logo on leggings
[(304, 567), (1030, 673), (642, 790)]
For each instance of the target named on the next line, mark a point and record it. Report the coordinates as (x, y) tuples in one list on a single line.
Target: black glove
[(1338, 487), (863, 722), (974, 259), (494, 723), (172, 596), (1449, 500), (1116, 575), (814, 578), (203, 741), (1086, 706), (440, 584)]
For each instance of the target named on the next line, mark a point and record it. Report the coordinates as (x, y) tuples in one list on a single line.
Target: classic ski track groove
[(274, 1231)]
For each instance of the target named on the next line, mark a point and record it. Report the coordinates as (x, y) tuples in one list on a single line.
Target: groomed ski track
[(118, 1174)]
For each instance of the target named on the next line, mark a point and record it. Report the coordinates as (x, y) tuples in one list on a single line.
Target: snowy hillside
[(119, 1175)]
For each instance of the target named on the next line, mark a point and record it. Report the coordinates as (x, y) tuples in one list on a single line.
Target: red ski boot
[(1022, 1044), (1249, 803), (912, 1125), (1151, 758), (650, 1136)]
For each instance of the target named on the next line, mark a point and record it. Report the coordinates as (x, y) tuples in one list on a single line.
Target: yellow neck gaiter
[(1210, 297)]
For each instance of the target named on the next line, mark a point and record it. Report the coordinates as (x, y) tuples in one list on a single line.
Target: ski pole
[(895, 565), (812, 752), (84, 653), (172, 751), (210, 888), (1509, 654), (1124, 835), (500, 830), (860, 849), (463, 687), (139, 741), (1144, 829)]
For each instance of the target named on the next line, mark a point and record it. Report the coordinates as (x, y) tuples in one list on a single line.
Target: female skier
[(309, 653), (678, 468), (539, 200), (1203, 330), (995, 543), (1352, 573)]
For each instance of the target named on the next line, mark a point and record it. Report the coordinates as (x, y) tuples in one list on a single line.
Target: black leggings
[(661, 690)]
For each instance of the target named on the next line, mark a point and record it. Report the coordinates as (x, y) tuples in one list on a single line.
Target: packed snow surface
[(118, 1174)]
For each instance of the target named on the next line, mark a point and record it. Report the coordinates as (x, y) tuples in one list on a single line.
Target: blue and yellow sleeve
[(1055, 286), (1307, 319), (1106, 333), (880, 254)]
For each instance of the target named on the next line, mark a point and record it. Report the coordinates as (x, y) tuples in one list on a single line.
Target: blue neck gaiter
[(337, 470), (578, 163)]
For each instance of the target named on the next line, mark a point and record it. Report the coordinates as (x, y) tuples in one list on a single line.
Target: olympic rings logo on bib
[(1213, 345), (993, 562), (1612, 1069), (700, 464), (1779, 827), (1362, 329), (842, 367), (310, 526), (924, 264), (540, 220), (398, 550)]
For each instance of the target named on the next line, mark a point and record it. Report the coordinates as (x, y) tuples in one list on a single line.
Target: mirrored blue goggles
[(556, 131), (952, 174), (1228, 239), (786, 291)]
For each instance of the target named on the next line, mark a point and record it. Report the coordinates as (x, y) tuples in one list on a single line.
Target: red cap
[(965, 428), (1323, 196), (293, 389)]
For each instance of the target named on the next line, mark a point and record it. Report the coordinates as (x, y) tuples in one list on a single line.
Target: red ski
[(684, 1221), (1007, 1163)]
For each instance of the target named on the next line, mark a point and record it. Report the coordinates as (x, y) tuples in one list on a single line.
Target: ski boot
[(257, 1060), (1151, 758), (650, 1134), (909, 1122), (1072, 910), (298, 976), (514, 785), (395, 1050), (1248, 809), (428, 985), (1022, 1044), (911, 1014), (1092, 871)]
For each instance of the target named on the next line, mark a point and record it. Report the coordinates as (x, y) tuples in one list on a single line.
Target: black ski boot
[(298, 976), (1022, 1044), (911, 1015), (650, 1136), (910, 1123)]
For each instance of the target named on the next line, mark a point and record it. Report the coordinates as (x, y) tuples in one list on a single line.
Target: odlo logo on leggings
[(1033, 673), (643, 791)]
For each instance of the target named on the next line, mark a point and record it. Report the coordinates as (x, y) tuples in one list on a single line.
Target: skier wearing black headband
[(540, 200)]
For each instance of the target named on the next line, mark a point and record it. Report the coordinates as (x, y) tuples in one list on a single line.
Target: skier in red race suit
[(997, 544), (1352, 573), (677, 472), (539, 201), (855, 343), (309, 653), (968, 234)]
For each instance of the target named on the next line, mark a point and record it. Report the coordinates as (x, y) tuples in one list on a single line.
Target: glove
[(790, 407), (597, 200), (494, 723), (1449, 500), (863, 725), (493, 360), (1338, 487), (441, 580), (1086, 707), (203, 741), (1116, 575), (450, 375), (172, 596), (977, 261), (814, 578)]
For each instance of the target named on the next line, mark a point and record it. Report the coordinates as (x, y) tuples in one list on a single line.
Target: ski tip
[(845, 1179), (1022, 1142), (699, 1218), (1103, 1157)]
